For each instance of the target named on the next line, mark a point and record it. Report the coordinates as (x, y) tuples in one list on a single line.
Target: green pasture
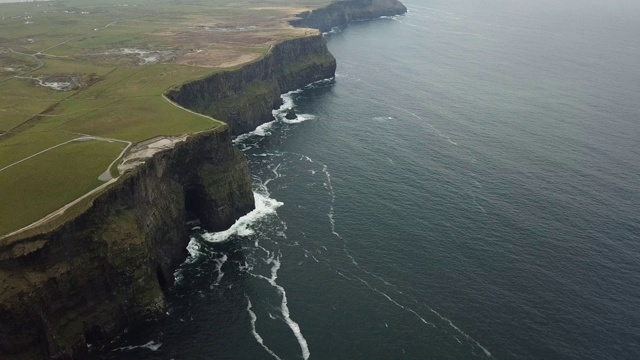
[(133, 119), (25, 144), (43, 184)]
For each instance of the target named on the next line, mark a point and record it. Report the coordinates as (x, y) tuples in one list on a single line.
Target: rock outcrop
[(341, 13)]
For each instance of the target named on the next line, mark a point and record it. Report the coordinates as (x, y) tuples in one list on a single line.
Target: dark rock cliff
[(244, 97), (108, 267), (340, 13)]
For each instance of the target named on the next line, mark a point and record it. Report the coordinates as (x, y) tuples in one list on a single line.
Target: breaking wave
[(265, 206)]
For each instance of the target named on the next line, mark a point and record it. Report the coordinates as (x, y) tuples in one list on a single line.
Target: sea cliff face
[(245, 97), (108, 267), (341, 13)]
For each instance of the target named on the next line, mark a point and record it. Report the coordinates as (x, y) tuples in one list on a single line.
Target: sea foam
[(257, 336), (265, 206), (284, 308), (151, 345)]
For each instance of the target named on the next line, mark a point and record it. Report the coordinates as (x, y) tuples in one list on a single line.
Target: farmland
[(82, 81)]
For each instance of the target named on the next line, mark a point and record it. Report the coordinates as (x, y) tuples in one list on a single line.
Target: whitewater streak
[(255, 332), (151, 345), (284, 308), (287, 100), (355, 263)]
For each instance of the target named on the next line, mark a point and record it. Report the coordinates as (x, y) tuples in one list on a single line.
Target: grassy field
[(54, 178), (72, 68)]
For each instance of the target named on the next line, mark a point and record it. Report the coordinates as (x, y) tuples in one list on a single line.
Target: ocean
[(467, 187)]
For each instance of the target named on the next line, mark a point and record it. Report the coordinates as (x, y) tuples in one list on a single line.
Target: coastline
[(131, 236)]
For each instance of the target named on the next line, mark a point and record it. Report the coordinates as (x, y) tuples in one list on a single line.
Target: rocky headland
[(109, 266)]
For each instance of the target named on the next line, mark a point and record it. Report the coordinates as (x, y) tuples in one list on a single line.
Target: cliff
[(244, 97), (108, 267), (341, 13)]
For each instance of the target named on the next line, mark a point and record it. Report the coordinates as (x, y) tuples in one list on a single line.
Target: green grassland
[(54, 179), (118, 58)]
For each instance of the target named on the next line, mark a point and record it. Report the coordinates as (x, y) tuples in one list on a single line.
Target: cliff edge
[(245, 97)]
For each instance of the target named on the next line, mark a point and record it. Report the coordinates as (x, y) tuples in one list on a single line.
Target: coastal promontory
[(116, 128)]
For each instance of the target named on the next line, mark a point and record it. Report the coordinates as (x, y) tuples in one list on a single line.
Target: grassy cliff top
[(83, 80)]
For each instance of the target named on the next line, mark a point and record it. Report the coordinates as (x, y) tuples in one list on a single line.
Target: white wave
[(332, 221), (255, 332), (193, 248), (284, 308), (299, 118), (151, 345), (334, 30), (343, 275), (287, 102), (382, 118), (275, 172), (177, 276), (265, 206), (258, 246), (262, 131), (267, 154), (394, 302), (319, 83), (219, 262), (329, 186), (246, 267), (305, 157), (280, 114), (486, 352)]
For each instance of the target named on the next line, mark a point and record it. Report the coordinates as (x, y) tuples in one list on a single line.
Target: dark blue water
[(467, 187)]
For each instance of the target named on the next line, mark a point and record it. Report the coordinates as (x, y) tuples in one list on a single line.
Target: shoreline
[(131, 236)]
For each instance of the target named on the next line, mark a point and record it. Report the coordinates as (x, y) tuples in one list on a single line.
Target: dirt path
[(190, 111)]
